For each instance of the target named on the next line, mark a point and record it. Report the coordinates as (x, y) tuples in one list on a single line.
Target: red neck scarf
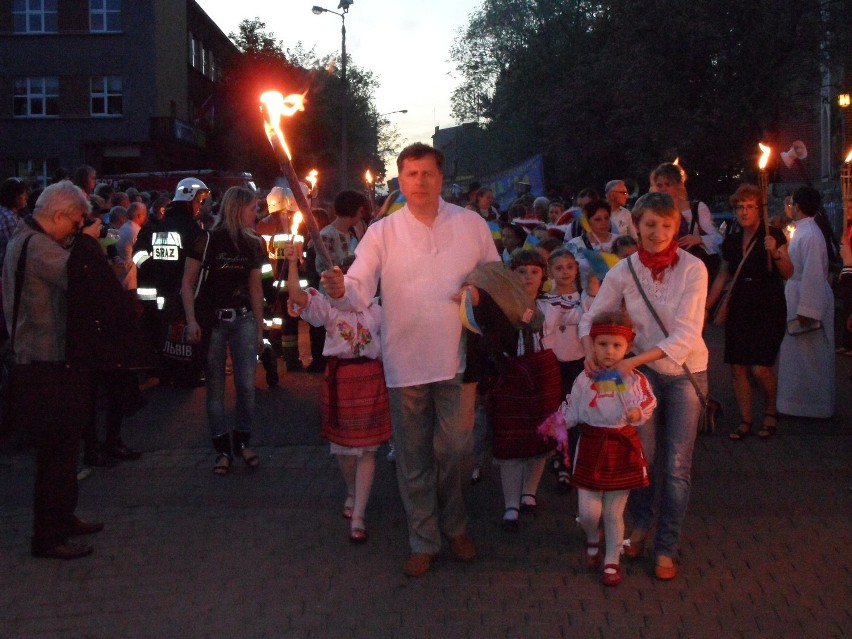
[(659, 262)]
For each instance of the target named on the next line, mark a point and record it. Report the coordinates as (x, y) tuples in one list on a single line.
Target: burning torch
[(371, 192), (763, 183), (312, 178), (274, 106), (846, 191)]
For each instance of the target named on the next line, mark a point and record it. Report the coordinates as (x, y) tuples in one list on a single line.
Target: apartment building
[(122, 85)]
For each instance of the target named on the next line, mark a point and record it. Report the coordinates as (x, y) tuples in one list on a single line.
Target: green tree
[(607, 89), (313, 135)]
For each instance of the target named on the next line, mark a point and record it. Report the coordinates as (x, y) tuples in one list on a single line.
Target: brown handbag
[(721, 314)]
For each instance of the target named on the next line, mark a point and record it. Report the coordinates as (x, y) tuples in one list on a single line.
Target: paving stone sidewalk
[(265, 554)]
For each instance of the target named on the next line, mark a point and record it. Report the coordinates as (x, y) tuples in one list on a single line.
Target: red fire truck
[(167, 180)]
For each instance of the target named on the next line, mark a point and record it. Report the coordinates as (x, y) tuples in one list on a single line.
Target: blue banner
[(505, 185)]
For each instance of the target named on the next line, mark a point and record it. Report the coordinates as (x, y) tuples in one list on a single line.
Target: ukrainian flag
[(600, 261), (400, 202), (494, 227)]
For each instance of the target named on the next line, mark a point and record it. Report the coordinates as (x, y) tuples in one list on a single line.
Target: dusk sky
[(406, 44)]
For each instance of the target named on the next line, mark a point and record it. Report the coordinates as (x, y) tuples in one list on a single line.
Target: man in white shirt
[(137, 215), (423, 254), (616, 194)]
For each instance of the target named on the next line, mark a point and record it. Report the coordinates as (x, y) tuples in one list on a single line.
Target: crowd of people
[(460, 333)]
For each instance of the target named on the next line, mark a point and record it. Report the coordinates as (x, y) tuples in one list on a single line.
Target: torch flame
[(765, 152), (368, 177), (297, 221), (276, 107), (312, 178), (676, 161), (848, 158)]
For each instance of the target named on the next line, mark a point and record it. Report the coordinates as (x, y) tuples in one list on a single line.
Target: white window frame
[(36, 90), (102, 10), (40, 16), (197, 53), (101, 92), (41, 169)]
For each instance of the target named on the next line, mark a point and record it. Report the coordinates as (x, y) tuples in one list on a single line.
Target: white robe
[(806, 361)]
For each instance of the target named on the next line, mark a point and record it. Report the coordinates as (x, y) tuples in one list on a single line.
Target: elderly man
[(137, 215), (422, 254), (55, 417), (616, 194)]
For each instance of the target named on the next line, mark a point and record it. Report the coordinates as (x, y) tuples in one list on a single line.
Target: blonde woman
[(663, 277), (232, 316)]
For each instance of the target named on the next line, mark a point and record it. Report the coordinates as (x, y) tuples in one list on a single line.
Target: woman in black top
[(757, 310), (230, 308)]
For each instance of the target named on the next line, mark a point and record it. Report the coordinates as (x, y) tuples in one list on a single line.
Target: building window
[(104, 16), (34, 16), (37, 171), (36, 97), (106, 96)]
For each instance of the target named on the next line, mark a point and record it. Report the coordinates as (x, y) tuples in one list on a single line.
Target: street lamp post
[(344, 134), (392, 112)]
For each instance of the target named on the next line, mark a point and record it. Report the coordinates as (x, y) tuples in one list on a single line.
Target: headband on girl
[(612, 329)]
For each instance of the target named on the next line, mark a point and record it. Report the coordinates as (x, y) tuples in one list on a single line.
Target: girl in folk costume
[(606, 408), (563, 308), (526, 386), (354, 401)]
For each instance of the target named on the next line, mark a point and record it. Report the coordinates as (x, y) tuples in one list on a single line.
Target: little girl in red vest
[(608, 461)]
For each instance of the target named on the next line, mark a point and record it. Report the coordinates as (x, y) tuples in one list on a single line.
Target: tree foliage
[(608, 89), (314, 135)]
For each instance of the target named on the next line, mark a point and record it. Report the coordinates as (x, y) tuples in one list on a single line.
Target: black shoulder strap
[(662, 326), (693, 206), (19, 287), (205, 267)]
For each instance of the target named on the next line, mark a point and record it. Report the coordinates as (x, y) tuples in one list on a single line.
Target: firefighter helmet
[(188, 188), (279, 199)]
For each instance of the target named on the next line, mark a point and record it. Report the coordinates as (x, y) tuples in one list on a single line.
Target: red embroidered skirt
[(354, 403), (609, 459), (524, 395)]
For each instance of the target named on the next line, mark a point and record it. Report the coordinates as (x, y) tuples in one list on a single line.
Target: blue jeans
[(240, 336), (668, 440)]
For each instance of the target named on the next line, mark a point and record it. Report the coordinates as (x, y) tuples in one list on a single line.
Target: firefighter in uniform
[(282, 329), (163, 269)]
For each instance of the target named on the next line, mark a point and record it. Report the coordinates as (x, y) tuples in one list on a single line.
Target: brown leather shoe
[(79, 527), (663, 572), (636, 548), (462, 547), (67, 550), (417, 564)]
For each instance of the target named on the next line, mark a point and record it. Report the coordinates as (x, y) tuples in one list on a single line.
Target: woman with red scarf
[(667, 279)]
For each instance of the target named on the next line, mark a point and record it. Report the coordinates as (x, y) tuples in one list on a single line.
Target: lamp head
[(317, 10)]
